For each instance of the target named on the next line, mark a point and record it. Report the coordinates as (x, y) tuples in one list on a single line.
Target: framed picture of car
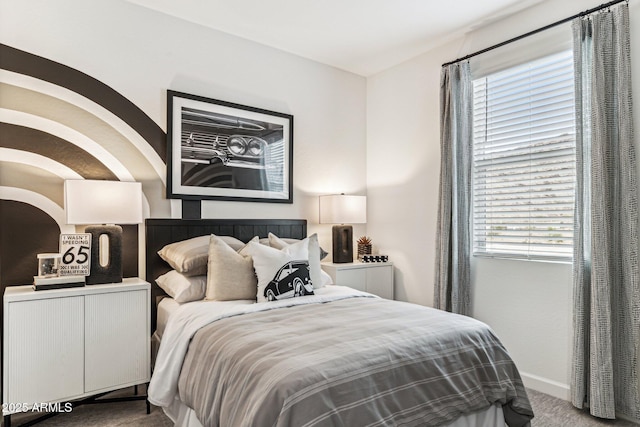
[(226, 151)]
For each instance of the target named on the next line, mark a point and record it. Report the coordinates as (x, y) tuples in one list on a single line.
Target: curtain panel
[(606, 350), (453, 239)]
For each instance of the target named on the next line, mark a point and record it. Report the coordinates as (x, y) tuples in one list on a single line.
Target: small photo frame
[(225, 151)]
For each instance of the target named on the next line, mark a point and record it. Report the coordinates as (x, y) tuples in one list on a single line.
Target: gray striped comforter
[(352, 362)]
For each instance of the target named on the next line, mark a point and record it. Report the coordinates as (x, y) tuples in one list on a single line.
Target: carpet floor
[(549, 412), (553, 412)]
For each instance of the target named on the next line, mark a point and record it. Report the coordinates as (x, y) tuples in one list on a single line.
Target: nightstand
[(373, 277), (66, 344)]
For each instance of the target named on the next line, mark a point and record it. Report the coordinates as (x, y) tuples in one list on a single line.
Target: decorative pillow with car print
[(292, 280), (281, 273)]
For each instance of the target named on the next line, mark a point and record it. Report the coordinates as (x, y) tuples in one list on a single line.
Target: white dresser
[(373, 277), (66, 344)]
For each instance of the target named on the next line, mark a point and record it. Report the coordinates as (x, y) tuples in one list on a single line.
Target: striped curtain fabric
[(453, 239), (605, 374)]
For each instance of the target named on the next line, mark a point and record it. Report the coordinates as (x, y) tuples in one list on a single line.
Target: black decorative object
[(375, 258), (342, 243), (58, 282), (109, 250)]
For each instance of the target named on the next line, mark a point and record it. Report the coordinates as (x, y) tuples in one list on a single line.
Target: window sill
[(507, 257)]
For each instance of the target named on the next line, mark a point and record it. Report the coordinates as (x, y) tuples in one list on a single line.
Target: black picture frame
[(218, 150)]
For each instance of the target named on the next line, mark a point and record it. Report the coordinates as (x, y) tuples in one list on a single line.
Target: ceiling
[(360, 36)]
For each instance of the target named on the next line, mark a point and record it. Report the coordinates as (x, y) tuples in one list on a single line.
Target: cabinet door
[(353, 277), (117, 343), (380, 281), (44, 350)]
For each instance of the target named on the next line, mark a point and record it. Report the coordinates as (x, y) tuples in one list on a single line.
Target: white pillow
[(281, 273), (280, 242), (182, 288), (190, 256), (230, 275), (326, 279), (314, 255)]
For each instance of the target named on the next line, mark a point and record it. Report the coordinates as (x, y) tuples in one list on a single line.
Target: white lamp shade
[(342, 209), (103, 202)]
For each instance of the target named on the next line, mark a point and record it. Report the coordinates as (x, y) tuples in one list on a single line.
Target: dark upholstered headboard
[(160, 232)]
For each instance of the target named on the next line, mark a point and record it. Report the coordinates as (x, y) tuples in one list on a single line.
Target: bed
[(339, 357)]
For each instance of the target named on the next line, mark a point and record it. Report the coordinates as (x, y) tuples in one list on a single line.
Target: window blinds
[(524, 160)]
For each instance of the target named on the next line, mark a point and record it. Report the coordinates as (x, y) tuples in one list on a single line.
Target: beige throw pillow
[(182, 288), (189, 257), (230, 276)]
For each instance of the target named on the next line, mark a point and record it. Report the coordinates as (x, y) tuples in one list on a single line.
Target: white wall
[(528, 304), (141, 53)]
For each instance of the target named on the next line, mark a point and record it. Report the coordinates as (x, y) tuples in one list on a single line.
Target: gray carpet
[(549, 411), (132, 413), (553, 412)]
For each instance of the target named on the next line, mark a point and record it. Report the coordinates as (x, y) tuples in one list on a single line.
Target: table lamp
[(107, 203), (344, 210)]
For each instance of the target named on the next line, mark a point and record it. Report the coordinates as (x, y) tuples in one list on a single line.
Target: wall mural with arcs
[(57, 123)]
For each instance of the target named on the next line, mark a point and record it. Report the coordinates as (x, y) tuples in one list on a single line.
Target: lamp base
[(111, 270), (342, 244)]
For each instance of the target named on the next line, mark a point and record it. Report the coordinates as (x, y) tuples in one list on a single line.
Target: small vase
[(363, 250)]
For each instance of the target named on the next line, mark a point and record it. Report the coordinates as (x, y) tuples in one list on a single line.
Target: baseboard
[(545, 385)]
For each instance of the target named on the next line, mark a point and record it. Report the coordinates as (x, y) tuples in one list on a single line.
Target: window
[(524, 160)]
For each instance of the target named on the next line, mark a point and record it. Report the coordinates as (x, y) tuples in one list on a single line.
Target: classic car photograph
[(223, 150)]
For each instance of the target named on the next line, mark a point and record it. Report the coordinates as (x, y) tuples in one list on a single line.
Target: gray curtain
[(453, 246), (606, 280)]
